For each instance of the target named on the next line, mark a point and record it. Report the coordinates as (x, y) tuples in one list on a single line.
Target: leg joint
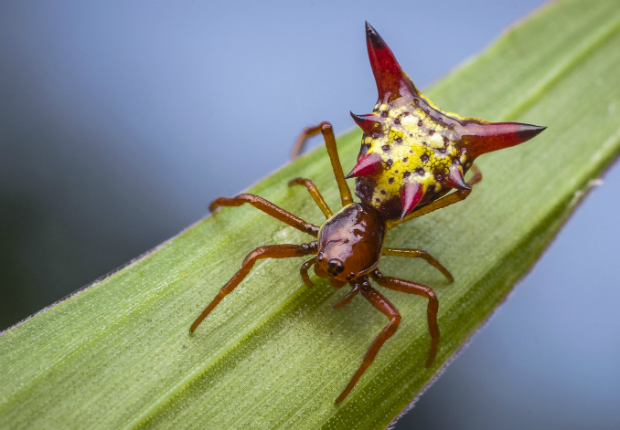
[(395, 321), (325, 125)]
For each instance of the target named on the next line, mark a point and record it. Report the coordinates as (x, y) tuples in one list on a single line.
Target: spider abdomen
[(417, 148), (413, 152)]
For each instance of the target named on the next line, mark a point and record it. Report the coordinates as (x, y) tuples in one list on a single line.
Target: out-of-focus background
[(120, 121)]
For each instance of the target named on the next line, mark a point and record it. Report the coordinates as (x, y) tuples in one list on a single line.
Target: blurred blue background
[(120, 121)]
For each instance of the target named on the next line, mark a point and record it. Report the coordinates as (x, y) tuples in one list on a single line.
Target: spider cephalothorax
[(412, 151)]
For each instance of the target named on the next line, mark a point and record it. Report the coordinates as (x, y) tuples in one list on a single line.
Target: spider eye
[(320, 258), (335, 267)]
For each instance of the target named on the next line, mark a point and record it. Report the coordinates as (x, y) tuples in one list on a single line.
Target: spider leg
[(316, 195), (269, 208), (330, 142), (476, 178), (301, 140), (442, 202), (273, 251), (410, 287), (348, 297), (304, 272), (388, 309), (418, 253)]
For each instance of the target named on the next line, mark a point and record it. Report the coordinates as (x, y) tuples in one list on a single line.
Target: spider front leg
[(442, 202), (304, 272), (351, 294), (273, 251), (383, 305), (330, 142), (269, 208), (410, 287)]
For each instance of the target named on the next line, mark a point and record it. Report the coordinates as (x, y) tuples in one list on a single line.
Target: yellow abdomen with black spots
[(413, 152)]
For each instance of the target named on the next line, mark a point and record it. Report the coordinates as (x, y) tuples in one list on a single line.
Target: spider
[(412, 155)]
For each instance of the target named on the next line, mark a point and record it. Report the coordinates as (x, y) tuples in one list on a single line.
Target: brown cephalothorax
[(349, 245)]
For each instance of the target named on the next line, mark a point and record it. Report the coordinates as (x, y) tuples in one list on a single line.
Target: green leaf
[(274, 354)]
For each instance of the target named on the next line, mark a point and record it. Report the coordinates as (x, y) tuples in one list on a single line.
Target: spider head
[(350, 244)]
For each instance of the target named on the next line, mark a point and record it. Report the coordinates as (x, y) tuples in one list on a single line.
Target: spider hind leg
[(327, 130), (315, 193), (443, 201)]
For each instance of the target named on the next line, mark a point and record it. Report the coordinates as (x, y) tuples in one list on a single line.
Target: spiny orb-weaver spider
[(412, 155)]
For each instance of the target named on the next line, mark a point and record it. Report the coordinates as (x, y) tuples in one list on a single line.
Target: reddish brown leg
[(388, 309), (410, 287), (348, 297), (477, 176), (269, 208), (330, 142), (418, 253), (443, 202), (301, 140), (304, 272), (316, 195), (273, 251)]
